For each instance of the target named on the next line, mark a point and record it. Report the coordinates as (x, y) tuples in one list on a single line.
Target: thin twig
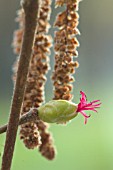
[(31, 8), (30, 116)]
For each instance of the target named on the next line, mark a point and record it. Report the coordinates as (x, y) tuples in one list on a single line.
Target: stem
[(31, 9), (31, 116)]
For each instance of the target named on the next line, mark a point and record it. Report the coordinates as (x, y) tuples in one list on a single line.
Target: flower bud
[(57, 111)]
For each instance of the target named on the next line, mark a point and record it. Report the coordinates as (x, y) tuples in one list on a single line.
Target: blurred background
[(79, 146)]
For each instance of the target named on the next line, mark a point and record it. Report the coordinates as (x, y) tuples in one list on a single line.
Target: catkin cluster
[(35, 134), (65, 49), (17, 40), (47, 149)]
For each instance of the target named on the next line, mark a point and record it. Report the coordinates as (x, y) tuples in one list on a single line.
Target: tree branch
[(31, 8), (30, 116)]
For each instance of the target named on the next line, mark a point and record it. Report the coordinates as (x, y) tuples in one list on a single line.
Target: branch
[(31, 9), (30, 116)]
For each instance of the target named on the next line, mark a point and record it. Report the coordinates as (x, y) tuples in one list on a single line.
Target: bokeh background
[(79, 146)]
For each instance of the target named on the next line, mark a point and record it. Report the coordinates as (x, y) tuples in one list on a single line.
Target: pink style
[(84, 105)]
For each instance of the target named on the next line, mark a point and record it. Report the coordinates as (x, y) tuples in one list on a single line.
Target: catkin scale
[(57, 111)]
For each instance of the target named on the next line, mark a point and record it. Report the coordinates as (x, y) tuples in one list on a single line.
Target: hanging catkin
[(65, 49), (33, 134)]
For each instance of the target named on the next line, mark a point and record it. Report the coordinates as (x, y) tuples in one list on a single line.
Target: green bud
[(57, 111)]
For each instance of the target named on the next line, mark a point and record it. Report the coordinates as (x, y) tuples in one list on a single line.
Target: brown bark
[(30, 8), (31, 116)]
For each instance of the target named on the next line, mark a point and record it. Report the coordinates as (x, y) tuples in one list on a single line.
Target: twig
[(31, 116), (31, 8)]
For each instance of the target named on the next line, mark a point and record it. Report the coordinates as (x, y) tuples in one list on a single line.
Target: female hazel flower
[(61, 111), (83, 105)]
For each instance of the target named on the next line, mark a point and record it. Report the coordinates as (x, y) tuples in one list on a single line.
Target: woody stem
[(31, 116), (31, 9)]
